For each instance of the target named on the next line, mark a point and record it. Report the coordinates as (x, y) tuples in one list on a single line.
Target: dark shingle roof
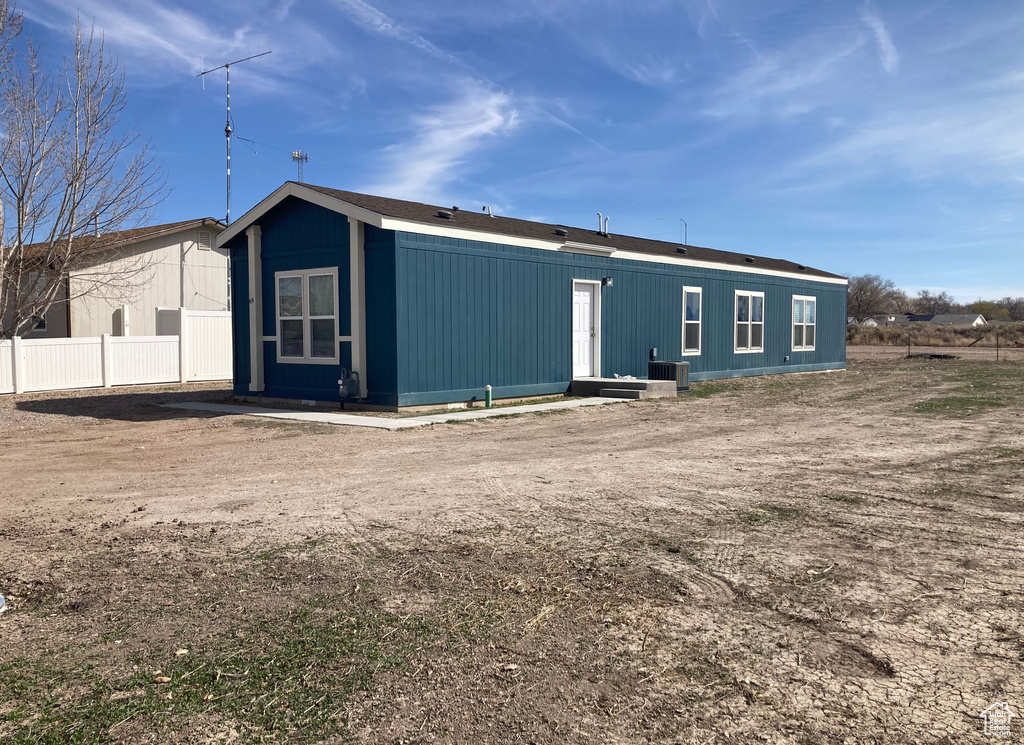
[(513, 227)]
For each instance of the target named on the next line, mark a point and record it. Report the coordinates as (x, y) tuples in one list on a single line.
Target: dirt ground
[(832, 558)]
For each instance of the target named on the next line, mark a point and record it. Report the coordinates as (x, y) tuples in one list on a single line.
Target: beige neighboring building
[(175, 265)]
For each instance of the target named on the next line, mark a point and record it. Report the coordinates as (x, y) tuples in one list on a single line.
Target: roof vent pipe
[(605, 231), (487, 209), (600, 218)]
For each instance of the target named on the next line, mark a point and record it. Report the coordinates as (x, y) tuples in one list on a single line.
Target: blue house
[(429, 305)]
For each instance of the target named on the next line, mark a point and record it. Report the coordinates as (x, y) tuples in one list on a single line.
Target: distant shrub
[(929, 335)]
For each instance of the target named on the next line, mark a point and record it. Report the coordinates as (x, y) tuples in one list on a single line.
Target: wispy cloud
[(444, 138), (160, 42), (975, 133), (375, 20), (887, 53), (783, 84)]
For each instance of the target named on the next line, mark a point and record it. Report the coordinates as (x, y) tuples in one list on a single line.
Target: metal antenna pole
[(684, 229), (300, 159), (228, 129), (227, 140)]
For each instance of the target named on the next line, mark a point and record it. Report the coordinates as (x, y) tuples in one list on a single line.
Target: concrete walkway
[(357, 420)]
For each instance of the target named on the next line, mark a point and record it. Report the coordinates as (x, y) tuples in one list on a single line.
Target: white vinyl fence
[(201, 351)]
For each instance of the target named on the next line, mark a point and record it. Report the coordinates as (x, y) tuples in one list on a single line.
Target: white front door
[(583, 330)]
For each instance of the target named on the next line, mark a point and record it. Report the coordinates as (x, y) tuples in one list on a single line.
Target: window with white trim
[(692, 317), (749, 321), (307, 315), (804, 321)]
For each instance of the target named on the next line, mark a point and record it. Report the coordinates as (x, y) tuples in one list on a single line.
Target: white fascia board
[(635, 256), (290, 189), (409, 226)]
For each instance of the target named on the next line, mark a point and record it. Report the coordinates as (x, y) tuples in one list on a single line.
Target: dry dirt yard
[(810, 559)]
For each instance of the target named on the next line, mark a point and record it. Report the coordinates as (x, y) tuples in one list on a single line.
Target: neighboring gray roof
[(956, 319), (88, 244), (513, 227)]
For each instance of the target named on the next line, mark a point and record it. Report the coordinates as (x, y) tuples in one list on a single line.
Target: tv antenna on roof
[(684, 229), (228, 128), (300, 159)]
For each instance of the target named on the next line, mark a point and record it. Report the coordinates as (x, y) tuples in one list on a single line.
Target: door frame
[(595, 312)]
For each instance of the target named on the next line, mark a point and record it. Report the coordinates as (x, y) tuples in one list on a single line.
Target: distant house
[(430, 304), (958, 320), (952, 320), (173, 265)]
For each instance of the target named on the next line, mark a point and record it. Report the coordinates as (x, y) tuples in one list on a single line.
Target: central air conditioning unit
[(677, 371)]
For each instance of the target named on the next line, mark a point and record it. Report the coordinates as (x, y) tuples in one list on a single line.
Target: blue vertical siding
[(471, 314), (447, 316), (381, 317)]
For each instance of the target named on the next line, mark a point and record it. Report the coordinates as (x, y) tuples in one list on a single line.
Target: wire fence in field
[(896, 351)]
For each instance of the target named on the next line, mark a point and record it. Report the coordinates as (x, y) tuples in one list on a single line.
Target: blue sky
[(870, 137)]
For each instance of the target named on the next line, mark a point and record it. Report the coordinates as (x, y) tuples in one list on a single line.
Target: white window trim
[(735, 322), (305, 359), (699, 292), (792, 324)]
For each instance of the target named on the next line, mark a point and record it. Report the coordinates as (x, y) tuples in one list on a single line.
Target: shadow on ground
[(141, 405)]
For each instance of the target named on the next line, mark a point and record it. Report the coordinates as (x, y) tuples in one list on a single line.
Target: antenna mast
[(228, 129), (300, 159), (684, 229)]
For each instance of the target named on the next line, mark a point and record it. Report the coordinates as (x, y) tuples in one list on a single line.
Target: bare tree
[(871, 295), (934, 303), (68, 172), (1014, 306)]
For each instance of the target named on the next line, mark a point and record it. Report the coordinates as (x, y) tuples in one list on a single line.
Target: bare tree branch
[(68, 171)]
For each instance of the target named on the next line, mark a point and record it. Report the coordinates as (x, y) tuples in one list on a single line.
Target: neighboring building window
[(35, 291), (804, 313), (307, 315), (749, 321), (691, 319)]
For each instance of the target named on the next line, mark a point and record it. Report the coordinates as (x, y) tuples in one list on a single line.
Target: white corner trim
[(255, 247), (357, 298)]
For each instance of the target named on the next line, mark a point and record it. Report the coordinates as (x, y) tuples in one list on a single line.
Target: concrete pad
[(376, 422)]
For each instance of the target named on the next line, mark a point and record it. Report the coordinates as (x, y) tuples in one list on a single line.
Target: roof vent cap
[(445, 214), (561, 231), (800, 266), (681, 249), (749, 259)]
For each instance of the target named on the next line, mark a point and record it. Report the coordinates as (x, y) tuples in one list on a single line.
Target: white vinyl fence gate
[(201, 351)]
